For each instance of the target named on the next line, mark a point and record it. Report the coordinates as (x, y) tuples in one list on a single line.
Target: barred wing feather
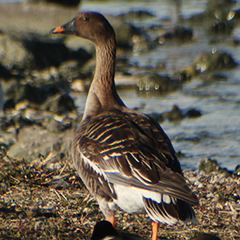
[(132, 149)]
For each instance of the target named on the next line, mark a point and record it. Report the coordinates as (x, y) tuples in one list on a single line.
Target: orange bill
[(67, 28), (58, 29)]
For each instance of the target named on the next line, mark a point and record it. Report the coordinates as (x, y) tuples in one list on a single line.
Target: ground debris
[(47, 200)]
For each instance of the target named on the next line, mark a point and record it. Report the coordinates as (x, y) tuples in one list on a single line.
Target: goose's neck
[(102, 93)]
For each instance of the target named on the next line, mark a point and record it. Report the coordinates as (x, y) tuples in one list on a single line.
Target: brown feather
[(128, 137)]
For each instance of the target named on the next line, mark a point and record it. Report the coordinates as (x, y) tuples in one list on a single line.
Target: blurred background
[(177, 61)]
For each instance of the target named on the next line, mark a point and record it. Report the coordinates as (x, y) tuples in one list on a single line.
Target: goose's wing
[(132, 149)]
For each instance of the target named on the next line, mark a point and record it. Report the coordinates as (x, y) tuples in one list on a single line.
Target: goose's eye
[(85, 19)]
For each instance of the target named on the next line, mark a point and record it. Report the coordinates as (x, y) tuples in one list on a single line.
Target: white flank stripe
[(105, 139), (115, 154), (106, 158), (111, 171), (93, 166), (157, 197), (166, 198), (174, 200), (109, 149), (115, 123), (100, 135), (115, 142), (135, 158)]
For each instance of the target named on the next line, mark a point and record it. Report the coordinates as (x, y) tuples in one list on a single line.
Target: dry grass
[(47, 200)]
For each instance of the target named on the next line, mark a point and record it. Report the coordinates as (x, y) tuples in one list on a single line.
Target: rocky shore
[(40, 75), (41, 194)]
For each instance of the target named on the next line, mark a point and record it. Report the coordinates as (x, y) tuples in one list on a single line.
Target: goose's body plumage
[(123, 156), (122, 162)]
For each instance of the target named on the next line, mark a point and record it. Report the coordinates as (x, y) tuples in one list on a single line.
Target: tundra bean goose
[(124, 157)]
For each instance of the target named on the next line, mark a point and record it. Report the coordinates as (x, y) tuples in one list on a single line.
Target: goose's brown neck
[(102, 93)]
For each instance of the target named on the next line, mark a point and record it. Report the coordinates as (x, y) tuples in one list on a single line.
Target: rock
[(129, 36), (28, 14), (179, 34), (178, 114), (78, 85), (60, 104), (137, 15), (6, 74), (21, 95), (13, 53), (65, 3), (36, 95), (22, 104), (213, 61), (209, 165), (236, 14), (174, 114), (5, 123), (35, 140), (1, 97), (9, 104), (182, 75), (223, 5), (23, 122), (81, 55), (18, 122), (222, 27), (9, 128), (193, 113), (30, 52), (215, 10), (6, 140), (140, 43), (216, 77), (187, 138), (157, 83), (66, 103), (45, 52), (33, 51)]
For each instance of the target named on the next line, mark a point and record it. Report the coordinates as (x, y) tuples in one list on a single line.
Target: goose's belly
[(129, 199)]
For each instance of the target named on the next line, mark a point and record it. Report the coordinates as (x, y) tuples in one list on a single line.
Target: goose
[(104, 230), (123, 156)]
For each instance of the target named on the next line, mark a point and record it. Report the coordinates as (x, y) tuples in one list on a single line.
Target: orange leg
[(111, 219), (154, 230)]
